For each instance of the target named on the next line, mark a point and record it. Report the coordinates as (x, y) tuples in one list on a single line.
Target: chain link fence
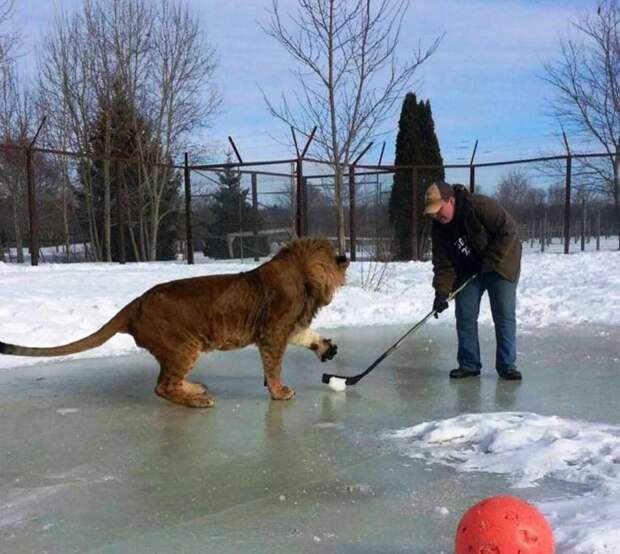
[(68, 207), (241, 211)]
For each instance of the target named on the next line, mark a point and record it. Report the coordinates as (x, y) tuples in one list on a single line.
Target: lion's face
[(341, 268), (330, 275), (322, 268)]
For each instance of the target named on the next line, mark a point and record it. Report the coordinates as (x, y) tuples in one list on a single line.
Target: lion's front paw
[(328, 350), (282, 392)]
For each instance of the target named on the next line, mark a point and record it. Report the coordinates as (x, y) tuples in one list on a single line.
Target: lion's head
[(323, 269)]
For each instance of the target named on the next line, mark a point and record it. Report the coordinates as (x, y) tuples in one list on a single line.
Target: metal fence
[(54, 207), (50, 210), (238, 211), (570, 198)]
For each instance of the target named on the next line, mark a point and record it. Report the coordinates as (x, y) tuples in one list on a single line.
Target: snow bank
[(57, 303), (529, 448)]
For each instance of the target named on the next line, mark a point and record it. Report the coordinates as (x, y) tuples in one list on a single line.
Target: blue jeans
[(503, 299)]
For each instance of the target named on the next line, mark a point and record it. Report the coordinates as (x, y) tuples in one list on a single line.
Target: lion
[(271, 306)]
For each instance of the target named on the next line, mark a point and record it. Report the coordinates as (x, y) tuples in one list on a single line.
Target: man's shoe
[(511, 375), (462, 372)]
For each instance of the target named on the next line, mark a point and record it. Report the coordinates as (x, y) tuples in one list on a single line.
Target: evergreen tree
[(416, 145), (126, 127), (232, 213)]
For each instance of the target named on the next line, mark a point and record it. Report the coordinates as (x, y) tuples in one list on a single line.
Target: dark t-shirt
[(466, 261)]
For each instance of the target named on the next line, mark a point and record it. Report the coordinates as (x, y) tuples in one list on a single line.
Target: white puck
[(337, 384)]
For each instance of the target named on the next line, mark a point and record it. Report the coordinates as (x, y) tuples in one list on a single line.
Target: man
[(473, 234)]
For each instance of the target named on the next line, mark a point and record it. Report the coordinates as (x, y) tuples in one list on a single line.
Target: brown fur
[(269, 306)]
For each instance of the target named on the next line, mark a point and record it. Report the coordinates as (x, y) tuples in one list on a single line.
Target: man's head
[(439, 202)]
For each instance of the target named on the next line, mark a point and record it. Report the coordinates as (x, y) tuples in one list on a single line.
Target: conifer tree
[(125, 128), (416, 145), (232, 213)]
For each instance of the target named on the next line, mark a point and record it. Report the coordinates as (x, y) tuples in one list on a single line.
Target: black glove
[(440, 303)]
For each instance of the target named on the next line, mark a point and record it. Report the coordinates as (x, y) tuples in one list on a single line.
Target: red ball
[(503, 525)]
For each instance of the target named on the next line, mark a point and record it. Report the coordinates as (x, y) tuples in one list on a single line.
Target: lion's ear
[(342, 261)]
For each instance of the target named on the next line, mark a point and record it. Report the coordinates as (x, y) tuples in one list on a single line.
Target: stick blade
[(348, 380)]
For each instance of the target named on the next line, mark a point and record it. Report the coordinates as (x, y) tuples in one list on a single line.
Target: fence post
[(414, 213), (32, 205), (120, 212), (567, 200), (188, 213), (543, 230), (241, 206), (598, 229), (255, 214), (305, 205), (32, 210), (352, 229), (583, 224), (299, 212), (472, 170)]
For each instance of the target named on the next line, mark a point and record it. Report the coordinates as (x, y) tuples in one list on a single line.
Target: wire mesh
[(88, 209)]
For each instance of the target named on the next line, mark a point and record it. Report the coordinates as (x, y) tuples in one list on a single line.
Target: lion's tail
[(117, 324)]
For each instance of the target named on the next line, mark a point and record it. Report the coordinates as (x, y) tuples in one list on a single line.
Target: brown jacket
[(493, 234)]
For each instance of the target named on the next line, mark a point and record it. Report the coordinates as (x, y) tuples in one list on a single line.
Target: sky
[(484, 81)]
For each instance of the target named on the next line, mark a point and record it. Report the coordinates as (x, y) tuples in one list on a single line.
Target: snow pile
[(529, 448)]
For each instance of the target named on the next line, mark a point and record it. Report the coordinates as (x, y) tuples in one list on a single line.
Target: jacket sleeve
[(443, 270), (502, 231)]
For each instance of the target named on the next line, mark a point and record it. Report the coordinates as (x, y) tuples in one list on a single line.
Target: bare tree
[(181, 97), (156, 55), (68, 97), (586, 80), (9, 38), (60, 134), (17, 115), (556, 194), (513, 187), (349, 75)]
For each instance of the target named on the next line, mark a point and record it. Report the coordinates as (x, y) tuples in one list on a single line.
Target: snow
[(529, 448), (56, 303)]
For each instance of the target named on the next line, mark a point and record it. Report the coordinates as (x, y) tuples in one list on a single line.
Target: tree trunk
[(616, 187), (617, 212), (19, 246), (154, 229), (95, 244), (340, 225), (65, 217), (107, 201), (142, 219), (132, 234)]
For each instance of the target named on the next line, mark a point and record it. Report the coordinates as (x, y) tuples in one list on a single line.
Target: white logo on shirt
[(462, 247)]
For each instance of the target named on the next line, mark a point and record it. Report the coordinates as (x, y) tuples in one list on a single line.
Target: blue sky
[(484, 82)]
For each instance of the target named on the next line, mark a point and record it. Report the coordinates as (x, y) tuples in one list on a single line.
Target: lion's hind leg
[(171, 383)]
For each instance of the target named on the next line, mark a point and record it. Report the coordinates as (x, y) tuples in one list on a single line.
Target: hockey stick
[(355, 378)]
